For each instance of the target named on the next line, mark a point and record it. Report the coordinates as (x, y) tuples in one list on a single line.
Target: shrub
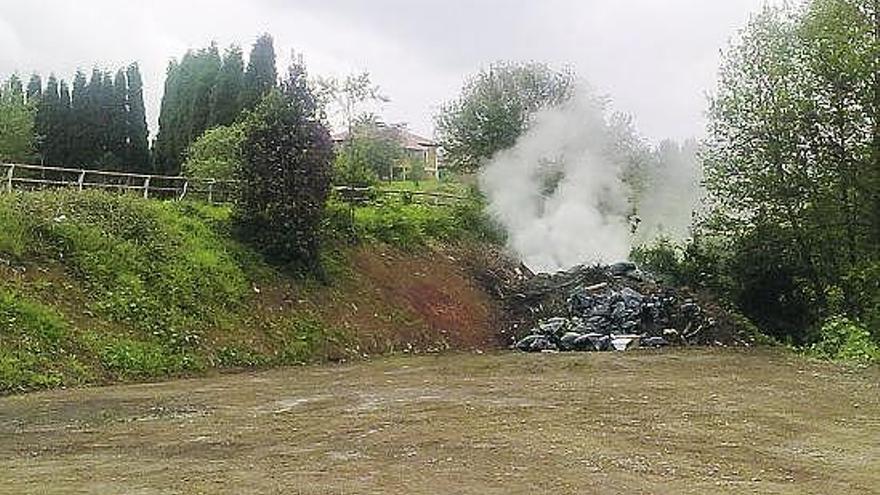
[(663, 258), (864, 284), (217, 154), (842, 339), (285, 181)]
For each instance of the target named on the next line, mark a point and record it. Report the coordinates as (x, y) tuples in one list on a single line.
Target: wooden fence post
[(146, 187), (9, 174), (211, 192), (183, 193), (79, 182)]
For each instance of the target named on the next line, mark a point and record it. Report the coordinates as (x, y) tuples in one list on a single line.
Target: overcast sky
[(656, 59)]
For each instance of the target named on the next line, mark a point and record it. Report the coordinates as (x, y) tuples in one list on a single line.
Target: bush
[(842, 339), (217, 154), (663, 258), (285, 181), (864, 283)]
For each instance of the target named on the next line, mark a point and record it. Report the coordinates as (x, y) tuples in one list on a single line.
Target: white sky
[(656, 59)]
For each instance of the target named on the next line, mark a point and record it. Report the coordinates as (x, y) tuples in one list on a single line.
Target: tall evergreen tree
[(227, 92), (138, 154), (185, 112), (13, 86), (166, 147), (77, 123), (88, 140), (34, 89), (63, 133), (117, 121), (47, 123), (261, 75)]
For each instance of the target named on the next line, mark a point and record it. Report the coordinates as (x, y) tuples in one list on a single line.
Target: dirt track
[(673, 422)]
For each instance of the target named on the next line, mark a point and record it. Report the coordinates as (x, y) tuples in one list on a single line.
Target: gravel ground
[(673, 421)]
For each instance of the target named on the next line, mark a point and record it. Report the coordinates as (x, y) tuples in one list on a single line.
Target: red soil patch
[(436, 289), (395, 301)]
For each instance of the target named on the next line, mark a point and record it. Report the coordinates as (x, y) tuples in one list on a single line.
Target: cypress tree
[(185, 112), (166, 146), (204, 71), (261, 75), (117, 120), (63, 123), (13, 85), (138, 153), (227, 92), (47, 123), (92, 143), (77, 123), (34, 88)]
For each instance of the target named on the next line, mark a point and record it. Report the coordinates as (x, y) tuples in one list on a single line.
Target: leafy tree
[(370, 149), (217, 154), (261, 75), (285, 180), (791, 161), (416, 170), (494, 109), (345, 97), (369, 153), (16, 123)]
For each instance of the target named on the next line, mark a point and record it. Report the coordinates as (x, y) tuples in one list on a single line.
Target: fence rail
[(18, 176)]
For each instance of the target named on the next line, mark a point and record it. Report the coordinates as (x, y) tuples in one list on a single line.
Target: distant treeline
[(99, 122)]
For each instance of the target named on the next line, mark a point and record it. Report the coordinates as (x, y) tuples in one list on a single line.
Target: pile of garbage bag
[(611, 315)]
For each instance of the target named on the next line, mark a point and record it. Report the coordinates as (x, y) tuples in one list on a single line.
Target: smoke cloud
[(673, 193), (566, 191)]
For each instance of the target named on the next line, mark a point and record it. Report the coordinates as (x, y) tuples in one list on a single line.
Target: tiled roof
[(408, 139)]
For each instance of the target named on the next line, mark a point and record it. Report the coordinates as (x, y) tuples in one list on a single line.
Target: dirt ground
[(681, 421)]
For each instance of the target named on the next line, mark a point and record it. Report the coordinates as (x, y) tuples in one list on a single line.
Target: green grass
[(430, 185), (157, 278), (37, 348), (157, 266), (411, 225), (104, 287)]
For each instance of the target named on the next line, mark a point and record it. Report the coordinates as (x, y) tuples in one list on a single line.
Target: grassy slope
[(96, 287)]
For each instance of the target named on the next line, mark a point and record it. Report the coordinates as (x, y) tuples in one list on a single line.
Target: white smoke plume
[(673, 193), (562, 194)]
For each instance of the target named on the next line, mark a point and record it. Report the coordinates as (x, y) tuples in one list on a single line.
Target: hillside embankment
[(98, 288)]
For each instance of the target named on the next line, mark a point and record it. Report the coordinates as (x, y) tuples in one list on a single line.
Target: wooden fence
[(35, 177)]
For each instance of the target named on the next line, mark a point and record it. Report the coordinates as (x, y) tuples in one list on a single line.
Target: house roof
[(408, 139)]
